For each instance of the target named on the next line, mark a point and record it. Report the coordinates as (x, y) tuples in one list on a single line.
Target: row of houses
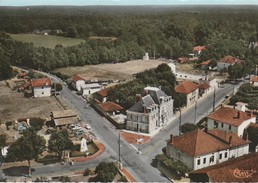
[(221, 140)]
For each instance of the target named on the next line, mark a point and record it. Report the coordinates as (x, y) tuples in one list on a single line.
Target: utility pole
[(180, 121), (195, 110), (214, 96), (119, 150)]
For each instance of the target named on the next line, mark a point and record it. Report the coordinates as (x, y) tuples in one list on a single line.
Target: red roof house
[(198, 149)]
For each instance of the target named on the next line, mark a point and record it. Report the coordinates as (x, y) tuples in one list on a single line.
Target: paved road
[(141, 170), (137, 164), (203, 108)]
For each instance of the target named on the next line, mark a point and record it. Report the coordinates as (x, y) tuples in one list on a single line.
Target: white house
[(226, 61), (88, 89), (41, 87), (151, 111), (198, 149), (190, 90), (77, 82), (229, 119), (254, 81)]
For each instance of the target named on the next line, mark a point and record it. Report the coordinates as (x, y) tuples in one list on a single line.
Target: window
[(204, 160), (226, 154), (42, 93), (198, 162), (220, 156), (229, 127), (216, 124), (211, 159), (222, 124)]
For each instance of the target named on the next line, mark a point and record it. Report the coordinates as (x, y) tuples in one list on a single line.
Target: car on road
[(87, 126)]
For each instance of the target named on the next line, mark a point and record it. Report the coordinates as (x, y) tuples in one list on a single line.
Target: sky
[(125, 2)]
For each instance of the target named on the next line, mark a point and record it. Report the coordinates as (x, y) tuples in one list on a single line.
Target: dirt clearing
[(14, 105), (119, 71)]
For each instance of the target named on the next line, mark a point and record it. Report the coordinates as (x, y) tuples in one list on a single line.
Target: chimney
[(251, 114), (138, 97), (247, 136), (171, 138), (238, 114), (229, 140)]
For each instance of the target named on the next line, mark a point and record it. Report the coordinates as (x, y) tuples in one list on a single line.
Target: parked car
[(87, 126), (75, 127), (79, 132)]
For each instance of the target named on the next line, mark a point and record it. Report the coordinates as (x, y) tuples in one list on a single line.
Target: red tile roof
[(104, 92), (235, 139), (206, 62), (230, 116), (110, 107), (197, 142), (204, 85), (41, 82), (254, 79), (77, 78), (199, 48), (186, 87), (229, 59), (241, 169)]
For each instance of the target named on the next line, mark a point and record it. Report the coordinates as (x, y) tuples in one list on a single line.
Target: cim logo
[(242, 173)]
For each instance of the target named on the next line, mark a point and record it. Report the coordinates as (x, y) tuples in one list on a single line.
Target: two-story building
[(151, 111), (230, 119), (190, 90), (41, 87), (198, 149), (77, 82)]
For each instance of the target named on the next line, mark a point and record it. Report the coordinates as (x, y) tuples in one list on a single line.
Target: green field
[(46, 41)]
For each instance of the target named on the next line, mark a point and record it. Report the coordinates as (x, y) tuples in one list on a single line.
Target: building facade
[(199, 149), (77, 82), (41, 87), (230, 119), (151, 111)]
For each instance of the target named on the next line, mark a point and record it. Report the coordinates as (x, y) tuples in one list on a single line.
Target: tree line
[(169, 32)]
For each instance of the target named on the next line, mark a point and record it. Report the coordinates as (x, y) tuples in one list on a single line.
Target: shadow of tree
[(17, 171)]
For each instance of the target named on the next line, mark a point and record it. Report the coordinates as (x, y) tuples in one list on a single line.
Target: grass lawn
[(46, 41)]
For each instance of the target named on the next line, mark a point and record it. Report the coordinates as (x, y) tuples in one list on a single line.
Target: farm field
[(14, 105), (119, 71), (46, 41)]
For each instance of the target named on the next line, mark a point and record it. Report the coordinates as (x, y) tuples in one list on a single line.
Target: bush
[(123, 179), (37, 123), (8, 124), (87, 172)]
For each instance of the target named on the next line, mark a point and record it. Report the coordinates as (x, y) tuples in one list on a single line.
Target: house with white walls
[(198, 149), (87, 89), (227, 61), (77, 82), (190, 90), (151, 111), (230, 119), (41, 87)]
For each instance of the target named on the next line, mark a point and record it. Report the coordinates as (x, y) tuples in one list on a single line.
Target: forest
[(163, 31)]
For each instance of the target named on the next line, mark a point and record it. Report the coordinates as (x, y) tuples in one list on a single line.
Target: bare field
[(14, 105), (119, 71)]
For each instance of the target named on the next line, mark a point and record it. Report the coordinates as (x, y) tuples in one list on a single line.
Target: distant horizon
[(125, 2)]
